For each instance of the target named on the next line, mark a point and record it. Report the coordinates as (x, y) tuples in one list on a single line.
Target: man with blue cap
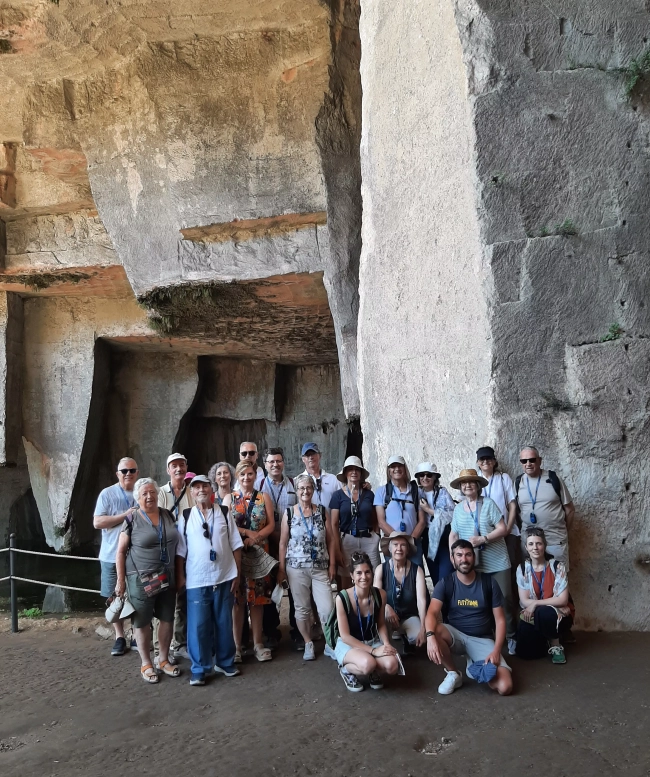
[(474, 624), (325, 484)]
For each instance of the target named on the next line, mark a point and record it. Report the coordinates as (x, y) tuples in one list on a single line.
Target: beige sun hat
[(385, 541), (468, 476), (352, 461)]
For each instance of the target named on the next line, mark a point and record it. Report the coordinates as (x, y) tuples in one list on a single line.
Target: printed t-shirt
[(468, 611)]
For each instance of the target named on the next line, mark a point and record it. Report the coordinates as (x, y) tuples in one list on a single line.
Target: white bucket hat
[(426, 466)]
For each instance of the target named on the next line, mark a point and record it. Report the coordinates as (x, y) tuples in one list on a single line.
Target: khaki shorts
[(162, 606), (475, 648)]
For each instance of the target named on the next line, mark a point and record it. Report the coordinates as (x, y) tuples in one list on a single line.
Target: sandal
[(238, 656), (262, 653), (148, 674), (169, 669)]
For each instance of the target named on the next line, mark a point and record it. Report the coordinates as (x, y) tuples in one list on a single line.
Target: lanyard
[(307, 529), (162, 535), (474, 517), (218, 498), (129, 504), (489, 486), (539, 583), (368, 620), (530, 493), (401, 588), (276, 499), (354, 510)]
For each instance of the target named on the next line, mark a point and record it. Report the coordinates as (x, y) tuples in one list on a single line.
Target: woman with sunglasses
[(208, 564), (363, 647), (438, 506), (146, 555), (252, 511), (307, 559), (398, 505)]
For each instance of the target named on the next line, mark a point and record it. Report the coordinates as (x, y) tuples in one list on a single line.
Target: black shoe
[(407, 648), (119, 648)]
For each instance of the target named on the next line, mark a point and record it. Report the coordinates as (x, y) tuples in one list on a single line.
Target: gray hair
[(140, 483), (212, 474), (531, 448), (303, 478)]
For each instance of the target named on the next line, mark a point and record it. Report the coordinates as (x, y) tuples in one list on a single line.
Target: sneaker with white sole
[(557, 654), (197, 679), (329, 652), (376, 683), (228, 672), (181, 652), (512, 647), (351, 682), (452, 681), (309, 654)]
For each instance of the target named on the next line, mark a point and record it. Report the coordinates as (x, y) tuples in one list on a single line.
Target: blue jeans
[(441, 565), (209, 627)]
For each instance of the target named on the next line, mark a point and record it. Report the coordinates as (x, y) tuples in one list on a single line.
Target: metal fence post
[(12, 584)]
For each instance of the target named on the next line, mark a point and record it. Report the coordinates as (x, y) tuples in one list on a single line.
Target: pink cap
[(190, 475)]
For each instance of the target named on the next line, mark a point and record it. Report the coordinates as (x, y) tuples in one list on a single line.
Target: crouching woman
[(363, 646)]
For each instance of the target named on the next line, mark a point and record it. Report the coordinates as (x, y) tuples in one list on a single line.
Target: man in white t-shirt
[(325, 484), (248, 452), (113, 505), (208, 563)]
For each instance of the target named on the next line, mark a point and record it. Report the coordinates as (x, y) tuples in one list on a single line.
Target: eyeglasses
[(247, 453), (528, 461), (128, 471)]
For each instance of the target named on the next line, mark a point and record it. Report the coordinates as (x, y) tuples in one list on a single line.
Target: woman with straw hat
[(478, 520), (353, 516)]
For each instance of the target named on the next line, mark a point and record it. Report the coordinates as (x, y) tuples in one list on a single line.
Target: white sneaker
[(329, 652), (309, 654), (181, 652), (452, 681), (512, 647)]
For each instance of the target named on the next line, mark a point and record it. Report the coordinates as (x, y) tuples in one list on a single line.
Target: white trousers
[(305, 582)]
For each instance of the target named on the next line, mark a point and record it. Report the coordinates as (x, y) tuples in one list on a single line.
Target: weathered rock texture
[(505, 232)]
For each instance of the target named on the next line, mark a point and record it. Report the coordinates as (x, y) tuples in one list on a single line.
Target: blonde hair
[(241, 466)]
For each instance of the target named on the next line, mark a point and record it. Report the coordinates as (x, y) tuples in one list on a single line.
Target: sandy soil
[(69, 708)]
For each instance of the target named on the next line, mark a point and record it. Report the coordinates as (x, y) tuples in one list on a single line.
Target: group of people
[(204, 560)]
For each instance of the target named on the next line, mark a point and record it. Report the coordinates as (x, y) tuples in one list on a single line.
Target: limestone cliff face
[(504, 264)]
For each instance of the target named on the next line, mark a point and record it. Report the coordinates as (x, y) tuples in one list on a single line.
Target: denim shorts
[(109, 578), (341, 649)]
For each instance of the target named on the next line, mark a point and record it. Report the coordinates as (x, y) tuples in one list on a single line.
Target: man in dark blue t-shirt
[(474, 624)]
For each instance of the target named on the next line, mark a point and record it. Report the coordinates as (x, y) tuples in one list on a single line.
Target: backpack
[(331, 625), (553, 479), (450, 587), (415, 495), (553, 562)]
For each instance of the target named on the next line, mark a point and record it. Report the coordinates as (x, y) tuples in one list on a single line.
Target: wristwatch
[(431, 634)]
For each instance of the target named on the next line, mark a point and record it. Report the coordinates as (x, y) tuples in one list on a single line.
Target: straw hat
[(352, 461), (385, 541), (468, 476)]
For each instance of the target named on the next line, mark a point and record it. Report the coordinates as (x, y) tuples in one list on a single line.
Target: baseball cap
[(190, 476), (396, 460), (309, 446), (485, 453), (199, 479), (175, 457)]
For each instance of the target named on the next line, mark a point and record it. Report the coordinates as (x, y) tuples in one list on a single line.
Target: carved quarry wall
[(504, 270), (422, 222)]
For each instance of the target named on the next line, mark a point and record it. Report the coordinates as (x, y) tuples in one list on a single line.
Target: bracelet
[(430, 634)]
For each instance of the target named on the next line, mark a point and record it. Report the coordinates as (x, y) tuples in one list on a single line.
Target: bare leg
[(143, 641), (165, 631), (119, 629), (444, 641), (256, 623), (502, 682), (387, 665), (358, 662)]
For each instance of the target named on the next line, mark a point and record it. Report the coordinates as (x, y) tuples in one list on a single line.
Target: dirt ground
[(69, 708)]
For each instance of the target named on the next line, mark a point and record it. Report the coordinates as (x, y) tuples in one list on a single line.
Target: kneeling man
[(474, 624)]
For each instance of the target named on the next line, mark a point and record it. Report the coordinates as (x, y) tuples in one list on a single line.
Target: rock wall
[(547, 293)]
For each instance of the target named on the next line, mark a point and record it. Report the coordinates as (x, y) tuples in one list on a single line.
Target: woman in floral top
[(546, 607), (307, 559), (253, 513)]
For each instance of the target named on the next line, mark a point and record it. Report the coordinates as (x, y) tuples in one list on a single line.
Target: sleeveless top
[(402, 597), (307, 546), (369, 626)]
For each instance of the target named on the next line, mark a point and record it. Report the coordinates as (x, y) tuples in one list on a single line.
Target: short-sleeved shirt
[(200, 571), (400, 508), (113, 500), (548, 507), (324, 487), (468, 610), (143, 556), (341, 501), (167, 499), (501, 491), (494, 557), (282, 496)]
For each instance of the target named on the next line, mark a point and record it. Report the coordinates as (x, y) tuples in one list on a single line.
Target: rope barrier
[(2, 579), (4, 550), (54, 585), (53, 555)]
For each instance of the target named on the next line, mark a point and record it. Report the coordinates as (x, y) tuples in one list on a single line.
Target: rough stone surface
[(549, 184)]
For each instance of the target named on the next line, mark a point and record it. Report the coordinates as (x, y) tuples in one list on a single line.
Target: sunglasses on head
[(131, 471), (528, 461), (247, 453)]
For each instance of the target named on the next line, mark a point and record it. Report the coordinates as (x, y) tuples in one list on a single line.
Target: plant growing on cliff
[(565, 229), (636, 71), (613, 333)]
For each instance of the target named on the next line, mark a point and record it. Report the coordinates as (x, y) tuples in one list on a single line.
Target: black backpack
[(450, 587), (415, 494), (331, 625), (553, 479)]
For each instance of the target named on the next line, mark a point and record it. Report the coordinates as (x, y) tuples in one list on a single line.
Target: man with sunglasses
[(248, 452), (114, 504), (325, 484), (545, 503), (208, 564)]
